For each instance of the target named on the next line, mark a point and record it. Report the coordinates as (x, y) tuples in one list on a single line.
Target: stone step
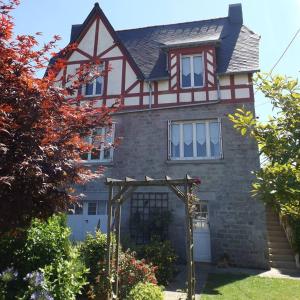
[(274, 227), (283, 264), (279, 245), (275, 233), (281, 251), (277, 238), (281, 257)]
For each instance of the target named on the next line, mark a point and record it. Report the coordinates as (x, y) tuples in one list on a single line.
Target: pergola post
[(108, 239), (117, 253)]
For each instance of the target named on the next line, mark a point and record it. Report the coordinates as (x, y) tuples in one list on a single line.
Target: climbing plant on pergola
[(116, 198)]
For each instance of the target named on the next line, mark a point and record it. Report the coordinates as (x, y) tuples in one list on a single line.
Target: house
[(177, 83)]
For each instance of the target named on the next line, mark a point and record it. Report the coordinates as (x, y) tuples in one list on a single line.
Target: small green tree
[(278, 181)]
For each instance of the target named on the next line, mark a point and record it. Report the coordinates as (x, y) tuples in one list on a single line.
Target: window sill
[(196, 161), (102, 163)]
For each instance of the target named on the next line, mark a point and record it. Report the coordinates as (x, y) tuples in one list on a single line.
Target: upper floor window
[(192, 71), (94, 87), (195, 140), (102, 140)]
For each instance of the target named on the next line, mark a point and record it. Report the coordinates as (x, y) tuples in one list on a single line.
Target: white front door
[(202, 251)]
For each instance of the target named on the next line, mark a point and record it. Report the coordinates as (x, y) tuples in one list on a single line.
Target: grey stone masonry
[(237, 220)]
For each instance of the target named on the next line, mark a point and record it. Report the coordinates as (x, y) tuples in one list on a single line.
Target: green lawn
[(240, 287)]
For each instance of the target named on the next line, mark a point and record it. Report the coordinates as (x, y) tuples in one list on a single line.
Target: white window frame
[(181, 141), (102, 147), (94, 85), (191, 56), (97, 207)]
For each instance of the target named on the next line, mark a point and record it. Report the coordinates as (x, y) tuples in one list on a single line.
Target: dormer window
[(94, 87), (192, 71)]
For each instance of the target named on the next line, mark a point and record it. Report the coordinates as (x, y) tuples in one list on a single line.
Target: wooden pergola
[(116, 199)]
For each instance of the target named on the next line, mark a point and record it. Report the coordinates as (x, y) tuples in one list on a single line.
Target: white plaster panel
[(200, 96), (242, 93), (132, 101), (113, 53), (110, 102), (105, 40), (210, 78), (224, 80), (173, 81), (173, 61), (77, 56), (115, 78), (210, 68), (71, 70), (136, 89), (209, 57), (185, 97), (225, 94), (58, 77), (87, 43), (98, 103), (163, 85), (241, 79), (167, 98), (130, 76), (146, 100), (212, 95)]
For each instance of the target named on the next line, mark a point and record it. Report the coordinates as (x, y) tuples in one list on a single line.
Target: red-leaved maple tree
[(42, 127)]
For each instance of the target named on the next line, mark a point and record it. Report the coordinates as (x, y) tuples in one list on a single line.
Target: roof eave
[(239, 72), (191, 44)]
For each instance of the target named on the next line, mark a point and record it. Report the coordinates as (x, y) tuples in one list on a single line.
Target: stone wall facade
[(237, 220)]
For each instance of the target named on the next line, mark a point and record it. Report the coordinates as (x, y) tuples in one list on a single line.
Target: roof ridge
[(170, 24)]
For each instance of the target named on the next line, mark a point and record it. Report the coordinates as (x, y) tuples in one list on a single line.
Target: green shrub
[(45, 262), (162, 255), (46, 241), (65, 278), (145, 291), (93, 253), (133, 271)]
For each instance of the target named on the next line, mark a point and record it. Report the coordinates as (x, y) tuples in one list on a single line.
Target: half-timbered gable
[(168, 65)]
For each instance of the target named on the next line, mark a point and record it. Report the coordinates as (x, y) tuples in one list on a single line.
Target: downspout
[(150, 94)]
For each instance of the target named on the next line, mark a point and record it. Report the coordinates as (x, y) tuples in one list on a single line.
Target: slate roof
[(237, 46)]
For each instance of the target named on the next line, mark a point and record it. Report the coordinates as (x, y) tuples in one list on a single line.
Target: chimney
[(235, 13)]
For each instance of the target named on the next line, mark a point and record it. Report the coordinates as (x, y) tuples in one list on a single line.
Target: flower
[(9, 274), (35, 278), (41, 295)]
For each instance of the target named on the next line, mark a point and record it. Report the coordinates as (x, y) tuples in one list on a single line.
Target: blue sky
[(275, 21)]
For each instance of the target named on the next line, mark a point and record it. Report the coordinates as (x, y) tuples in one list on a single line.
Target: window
[(191, 71), (102, 140), (195, 140), (149, 216), (97, 207), (95, 87), (75, 209)]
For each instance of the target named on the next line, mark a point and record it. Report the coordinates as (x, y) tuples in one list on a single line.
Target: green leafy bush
[(133, 271), (93, 253), (45, 253), (145, 291), (65, 277), (162, 255)]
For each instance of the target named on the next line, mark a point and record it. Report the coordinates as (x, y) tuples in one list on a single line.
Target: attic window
[(192, 71), (94, 87)]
